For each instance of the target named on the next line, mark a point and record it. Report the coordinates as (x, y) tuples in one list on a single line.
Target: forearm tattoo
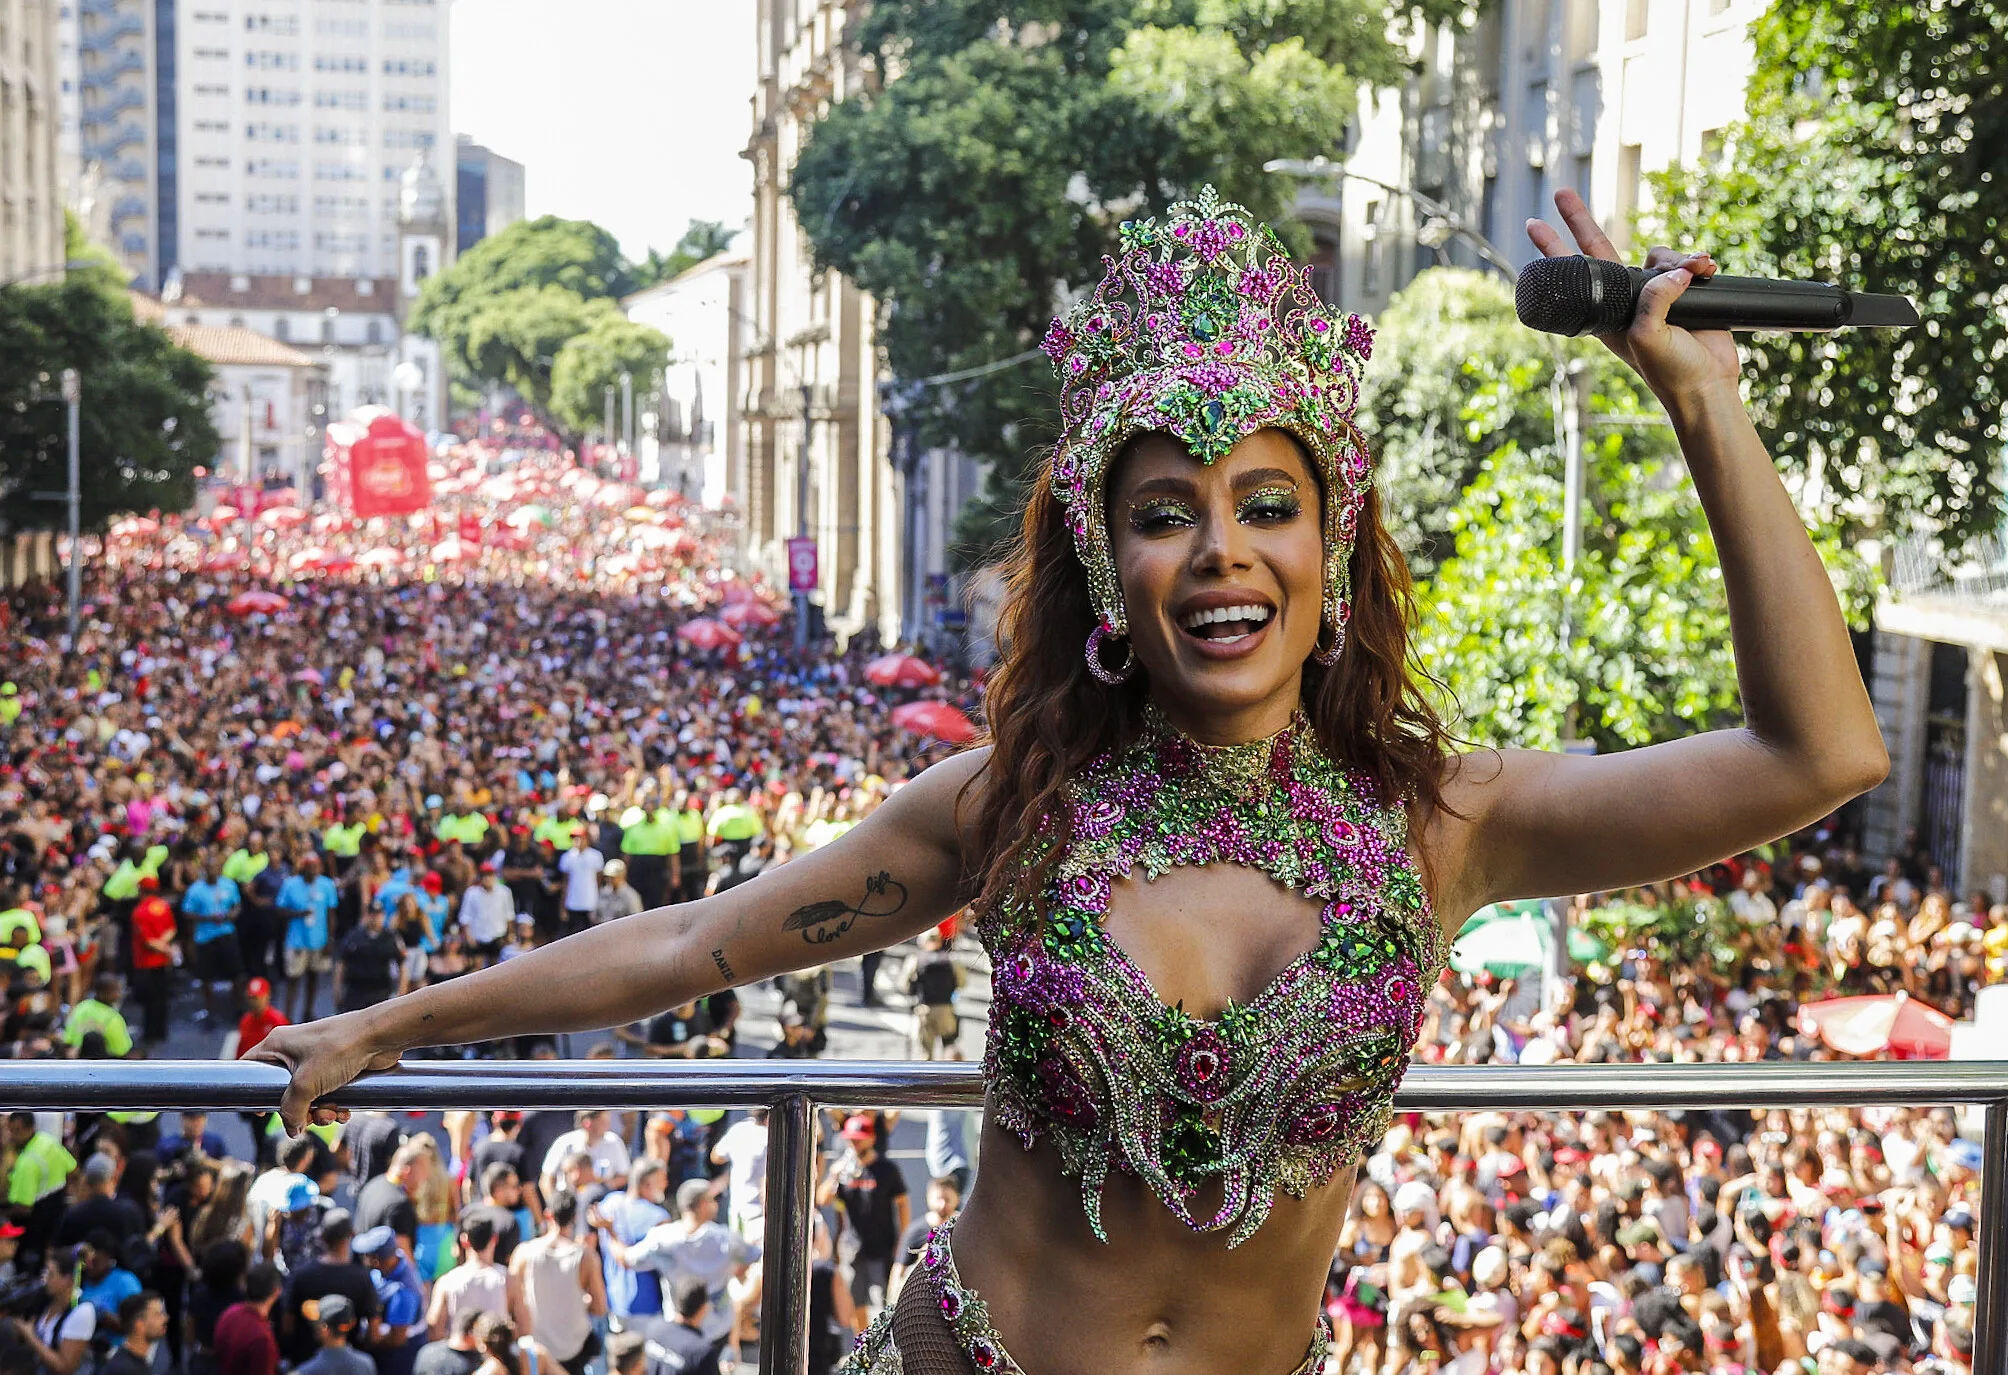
[(822, 922), (724, 966)]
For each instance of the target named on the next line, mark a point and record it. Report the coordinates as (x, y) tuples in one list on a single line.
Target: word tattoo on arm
[(724, 967), (822, 922)]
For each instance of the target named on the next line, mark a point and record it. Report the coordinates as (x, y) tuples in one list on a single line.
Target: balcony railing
[(793, 1090)]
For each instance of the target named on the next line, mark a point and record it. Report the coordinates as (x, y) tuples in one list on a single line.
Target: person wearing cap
[(153, 958), (334, 1274), (650, 844), (335, 1318), (693, 1246), (873, 1195), (368, 963), (618, 897), (37, 1179), (100, 1208), (399, 1331), (307, 900)]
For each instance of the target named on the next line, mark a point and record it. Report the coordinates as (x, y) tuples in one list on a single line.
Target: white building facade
[(695, 443), (297, 121), (31, 202), (1538, 95), (813, 362)]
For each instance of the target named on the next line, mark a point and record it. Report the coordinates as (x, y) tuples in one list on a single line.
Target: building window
[(282, 329), (376, 337), (1325, 263), (1376, 254)]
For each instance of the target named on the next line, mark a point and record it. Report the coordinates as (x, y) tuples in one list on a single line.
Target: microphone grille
[(1575, 295)]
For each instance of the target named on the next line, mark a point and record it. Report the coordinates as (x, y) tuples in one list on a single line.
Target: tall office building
[(31, 204), (296, 124), (108, 54), (488, 193)]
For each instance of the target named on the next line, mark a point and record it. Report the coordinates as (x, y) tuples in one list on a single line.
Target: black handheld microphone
[(1582, 295)]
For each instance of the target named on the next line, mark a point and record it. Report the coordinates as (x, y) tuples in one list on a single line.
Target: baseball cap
[(1414, 1197), (12, 1231), (432, 882), (301, 1193), (1637, 1233), (1959, 1217), (1961, 1291), (258, 988), (149, 884), (1963, 1153), (859, 1127), (375, 1241)]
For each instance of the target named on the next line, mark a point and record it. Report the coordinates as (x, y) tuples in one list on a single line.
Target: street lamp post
[(802, 517), (607, 430), (627, 411), (73, 394)]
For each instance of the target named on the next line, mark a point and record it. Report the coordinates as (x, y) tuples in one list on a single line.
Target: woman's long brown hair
[(1049, 718)]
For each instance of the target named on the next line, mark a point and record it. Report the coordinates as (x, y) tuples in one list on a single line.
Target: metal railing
[(792, 1090)]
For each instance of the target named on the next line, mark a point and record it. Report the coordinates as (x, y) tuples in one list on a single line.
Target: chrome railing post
[(785, 1258), (1990, 1318)]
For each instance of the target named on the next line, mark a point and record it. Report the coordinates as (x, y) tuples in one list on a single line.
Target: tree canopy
[(703, 239), (1470, 461), (979, 180), (144, 423), (1873, 157), (592, 361)]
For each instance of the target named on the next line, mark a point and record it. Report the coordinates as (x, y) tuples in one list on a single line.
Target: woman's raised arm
[(895, 874)]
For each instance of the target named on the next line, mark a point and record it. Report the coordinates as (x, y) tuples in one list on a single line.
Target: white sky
[(630, 113)]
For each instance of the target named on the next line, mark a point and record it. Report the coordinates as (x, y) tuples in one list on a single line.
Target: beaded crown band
[(1207, 330)]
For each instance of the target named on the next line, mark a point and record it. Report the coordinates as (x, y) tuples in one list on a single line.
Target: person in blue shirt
[(107, 1284), (212, 904), (193, 1136), (308, 901), (398, 1331), (627, 1216)]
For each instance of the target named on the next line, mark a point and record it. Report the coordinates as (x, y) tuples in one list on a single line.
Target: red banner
[(379, 466), (470, 528)]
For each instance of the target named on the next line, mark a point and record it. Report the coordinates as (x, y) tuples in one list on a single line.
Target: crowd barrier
[(793, 1089)]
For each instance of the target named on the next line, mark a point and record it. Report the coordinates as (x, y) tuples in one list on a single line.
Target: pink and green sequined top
[(1279, 1093)]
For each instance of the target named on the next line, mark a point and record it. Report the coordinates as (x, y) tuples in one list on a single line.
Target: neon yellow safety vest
[(557, 830), (243, 866), (689, 826), (18, 929), (40, 1169), (91, 1015), (344, 841), (735, 822), (656, 835)]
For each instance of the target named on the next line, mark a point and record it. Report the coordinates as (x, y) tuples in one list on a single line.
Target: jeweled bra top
[(1278, 1093)]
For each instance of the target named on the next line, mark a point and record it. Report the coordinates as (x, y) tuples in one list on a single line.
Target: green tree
[(144, 424), (1872, 157), (503, 310), (1447, 350), (972, 190), (1646, 652), (591, 362), (703, 239)]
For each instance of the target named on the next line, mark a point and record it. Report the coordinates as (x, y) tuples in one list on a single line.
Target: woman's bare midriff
[(1157, 1298)]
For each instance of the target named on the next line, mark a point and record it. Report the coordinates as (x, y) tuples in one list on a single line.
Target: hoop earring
[(1341, 614), (1109, 676)]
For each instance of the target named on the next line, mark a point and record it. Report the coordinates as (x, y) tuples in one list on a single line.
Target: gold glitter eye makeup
[(1150, 517), (1269, 503)]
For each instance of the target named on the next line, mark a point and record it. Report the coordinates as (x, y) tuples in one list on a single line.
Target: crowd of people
[(437, 750)]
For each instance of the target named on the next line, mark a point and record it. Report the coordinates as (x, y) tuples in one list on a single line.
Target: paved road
[(856, 1033)]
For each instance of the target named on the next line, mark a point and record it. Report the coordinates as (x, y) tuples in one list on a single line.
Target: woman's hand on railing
[(322, 1057)]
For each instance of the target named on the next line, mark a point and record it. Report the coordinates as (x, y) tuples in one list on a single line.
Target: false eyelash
[(1149, 515), (1280, 502)]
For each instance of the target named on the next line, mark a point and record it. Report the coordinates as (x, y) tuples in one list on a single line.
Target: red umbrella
[(902, 670), (934, 718), (283, 517), (134, 527), (257, 604), (1869, 1025), (380, 557), (750, 615), (704, 633)]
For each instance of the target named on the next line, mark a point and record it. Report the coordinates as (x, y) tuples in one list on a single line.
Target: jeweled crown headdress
[(1207, 330)]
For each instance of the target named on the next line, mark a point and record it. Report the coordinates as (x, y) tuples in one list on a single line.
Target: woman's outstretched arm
[(897, 873), (1543, 824)]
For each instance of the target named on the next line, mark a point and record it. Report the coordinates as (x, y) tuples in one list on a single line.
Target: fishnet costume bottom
[(926, 1342)]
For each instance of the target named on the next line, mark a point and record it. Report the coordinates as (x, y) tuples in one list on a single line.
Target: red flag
[(470, 528)]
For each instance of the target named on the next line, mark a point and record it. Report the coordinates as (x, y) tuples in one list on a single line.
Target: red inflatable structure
[(376, 465)]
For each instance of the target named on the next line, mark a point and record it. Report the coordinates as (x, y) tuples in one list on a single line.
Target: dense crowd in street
[(300, 761)]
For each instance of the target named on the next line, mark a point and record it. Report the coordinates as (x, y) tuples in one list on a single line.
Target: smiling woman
[(1218, 837)]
